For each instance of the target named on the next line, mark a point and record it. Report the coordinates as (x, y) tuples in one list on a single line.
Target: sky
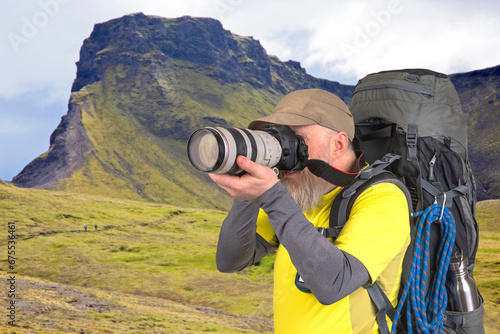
[(337, 40)]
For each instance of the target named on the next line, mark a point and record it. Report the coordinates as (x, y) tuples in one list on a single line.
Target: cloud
[(25, 127), (38, 47), (401, 34), (338, 39), (347, 40)]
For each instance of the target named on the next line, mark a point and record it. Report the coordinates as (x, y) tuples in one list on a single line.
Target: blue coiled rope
[(428, 310)]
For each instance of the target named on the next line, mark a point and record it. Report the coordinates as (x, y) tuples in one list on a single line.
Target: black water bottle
[(462, 293)]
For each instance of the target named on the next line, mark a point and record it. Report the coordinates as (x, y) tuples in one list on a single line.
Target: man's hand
[(249, 186)]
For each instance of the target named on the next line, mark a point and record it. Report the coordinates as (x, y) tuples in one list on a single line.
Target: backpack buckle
[(411, 135), (332, 232), (390, 158), (411, 142)]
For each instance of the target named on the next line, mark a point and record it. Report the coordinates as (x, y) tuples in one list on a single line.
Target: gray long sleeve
[(330, 273), (239, 245)]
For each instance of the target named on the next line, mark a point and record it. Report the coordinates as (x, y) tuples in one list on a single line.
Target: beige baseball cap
[(311, 106)]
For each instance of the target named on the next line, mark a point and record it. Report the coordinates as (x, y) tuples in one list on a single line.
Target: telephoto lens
[(215, 149)]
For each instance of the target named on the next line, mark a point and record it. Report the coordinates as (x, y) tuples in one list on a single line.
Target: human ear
[(339, 143)]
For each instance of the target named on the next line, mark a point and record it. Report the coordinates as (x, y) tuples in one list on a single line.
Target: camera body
[(215, 149)]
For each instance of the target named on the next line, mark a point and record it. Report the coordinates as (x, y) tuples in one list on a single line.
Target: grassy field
[(141, 253), (150, 268), (487, 269), (47, 307)]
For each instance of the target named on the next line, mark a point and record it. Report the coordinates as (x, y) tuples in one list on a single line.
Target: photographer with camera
[(318, 285)]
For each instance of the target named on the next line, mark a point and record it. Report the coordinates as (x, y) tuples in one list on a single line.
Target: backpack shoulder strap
[(343, 202), (341, 209)]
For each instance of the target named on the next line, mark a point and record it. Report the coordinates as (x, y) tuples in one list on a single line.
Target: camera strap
[(333, 175)]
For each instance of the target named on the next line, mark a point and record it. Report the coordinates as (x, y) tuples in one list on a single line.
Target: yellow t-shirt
[(377, 233)]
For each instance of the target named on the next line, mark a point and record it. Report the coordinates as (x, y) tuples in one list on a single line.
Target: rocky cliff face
[(68, 146), (203, 43), (145, 83)]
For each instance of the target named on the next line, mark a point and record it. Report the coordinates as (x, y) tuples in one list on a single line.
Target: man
[(270, 215)]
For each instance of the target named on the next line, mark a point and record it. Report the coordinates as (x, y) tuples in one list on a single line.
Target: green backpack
[(410, 123)]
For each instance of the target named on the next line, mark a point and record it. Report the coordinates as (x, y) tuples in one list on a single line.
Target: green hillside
[(156, 256), (150, 267), (480, 97), (487, 269), (48, 307)]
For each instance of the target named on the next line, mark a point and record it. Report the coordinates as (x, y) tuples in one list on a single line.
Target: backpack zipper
[(431, 167)]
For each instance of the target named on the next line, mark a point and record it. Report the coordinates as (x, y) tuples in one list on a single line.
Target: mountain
[(145, 83), (479, 93)]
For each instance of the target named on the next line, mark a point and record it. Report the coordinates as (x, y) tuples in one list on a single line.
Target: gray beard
[(307, 193)]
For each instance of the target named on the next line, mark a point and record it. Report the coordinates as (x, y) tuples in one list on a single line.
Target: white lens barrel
[(214, 150), (269, 149)]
